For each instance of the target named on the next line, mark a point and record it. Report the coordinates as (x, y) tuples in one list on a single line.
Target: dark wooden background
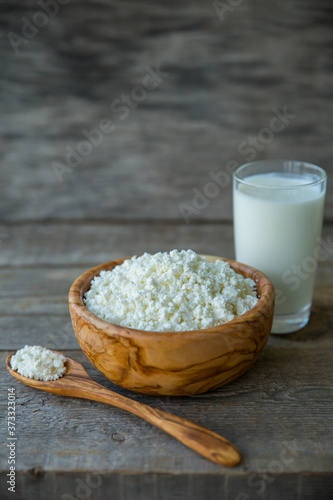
[(227, 74)]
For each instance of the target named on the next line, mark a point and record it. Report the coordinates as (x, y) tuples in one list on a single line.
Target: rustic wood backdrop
[(225, 78), (229, 81)]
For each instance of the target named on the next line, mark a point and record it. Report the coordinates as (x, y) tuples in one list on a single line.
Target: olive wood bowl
[(173, 363)]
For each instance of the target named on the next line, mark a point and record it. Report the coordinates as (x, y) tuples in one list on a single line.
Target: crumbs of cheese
[(38, 363), (174, 291)]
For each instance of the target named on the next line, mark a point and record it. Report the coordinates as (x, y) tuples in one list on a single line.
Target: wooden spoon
[(77, 383)]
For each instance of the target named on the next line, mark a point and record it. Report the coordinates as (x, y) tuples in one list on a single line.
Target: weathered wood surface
[(283, 402), (225, 79), (226, 76), (282, 429)]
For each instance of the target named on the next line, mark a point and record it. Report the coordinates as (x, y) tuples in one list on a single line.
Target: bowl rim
[(75, 299)]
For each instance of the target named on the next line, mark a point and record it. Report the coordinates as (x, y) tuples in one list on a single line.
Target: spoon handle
[(207, 443)]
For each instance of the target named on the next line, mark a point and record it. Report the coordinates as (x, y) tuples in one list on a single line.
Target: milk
[(278, 230)]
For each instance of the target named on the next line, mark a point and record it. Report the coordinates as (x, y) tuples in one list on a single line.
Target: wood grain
[(77, 383), (173, 363)]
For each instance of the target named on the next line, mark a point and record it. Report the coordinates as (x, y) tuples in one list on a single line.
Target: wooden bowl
[(173, 363)]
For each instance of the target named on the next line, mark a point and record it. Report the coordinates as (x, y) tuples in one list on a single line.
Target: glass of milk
[(278, 214)]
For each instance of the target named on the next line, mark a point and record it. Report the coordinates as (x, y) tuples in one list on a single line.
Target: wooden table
[(227, 78)]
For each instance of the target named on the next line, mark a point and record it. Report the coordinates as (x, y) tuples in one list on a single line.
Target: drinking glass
[(278, 213)]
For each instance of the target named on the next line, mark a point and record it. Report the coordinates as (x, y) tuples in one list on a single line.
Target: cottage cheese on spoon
[(38, 363)]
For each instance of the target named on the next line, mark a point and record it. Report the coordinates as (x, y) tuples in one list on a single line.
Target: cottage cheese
[(173, 291), (38, 363)]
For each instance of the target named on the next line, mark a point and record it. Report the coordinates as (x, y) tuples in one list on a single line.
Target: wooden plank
[(54, 332), (149, 486), (65, 245), (165, 486), (88, 244), (316, 487), (200, 117), (96, 191), (289, 390)]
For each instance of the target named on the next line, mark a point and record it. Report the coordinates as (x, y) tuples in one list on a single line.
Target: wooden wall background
[(225, 78)]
